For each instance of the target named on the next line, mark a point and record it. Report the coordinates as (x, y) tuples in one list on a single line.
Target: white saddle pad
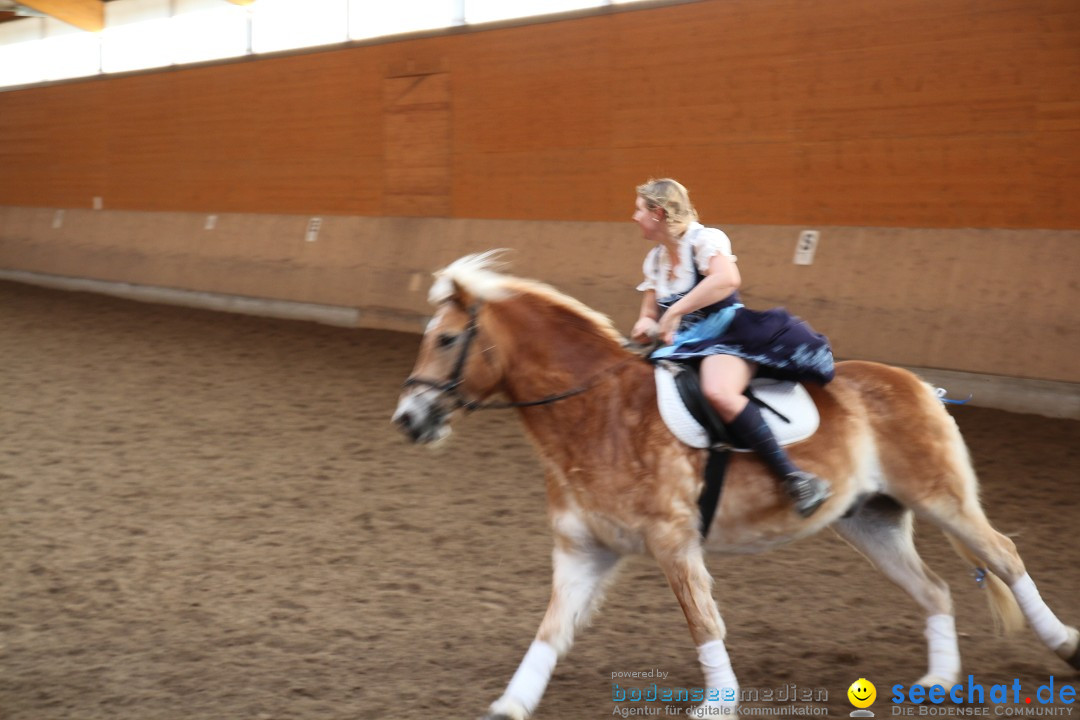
[(788, 398)]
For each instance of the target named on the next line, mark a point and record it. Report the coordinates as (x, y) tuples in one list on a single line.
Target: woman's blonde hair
[(671, 197)]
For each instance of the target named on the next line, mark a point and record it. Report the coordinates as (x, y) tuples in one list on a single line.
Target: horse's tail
[(1008, 618)]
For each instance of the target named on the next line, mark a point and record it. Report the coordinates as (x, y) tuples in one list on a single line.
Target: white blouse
[(698, 242)]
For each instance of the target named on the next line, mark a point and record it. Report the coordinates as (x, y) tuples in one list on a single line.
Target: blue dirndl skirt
[(782, 345)]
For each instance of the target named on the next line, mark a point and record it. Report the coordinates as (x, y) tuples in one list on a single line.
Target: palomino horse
[(618, 482)]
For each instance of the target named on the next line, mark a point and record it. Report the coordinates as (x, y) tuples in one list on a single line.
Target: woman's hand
[(644, 330), (669, 323)]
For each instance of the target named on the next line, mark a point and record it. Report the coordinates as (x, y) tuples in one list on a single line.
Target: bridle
[(452, 386)]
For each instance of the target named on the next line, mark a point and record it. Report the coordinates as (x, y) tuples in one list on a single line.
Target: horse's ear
[(460, 296)]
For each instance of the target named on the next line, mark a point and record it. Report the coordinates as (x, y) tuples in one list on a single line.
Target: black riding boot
[(807, 490)]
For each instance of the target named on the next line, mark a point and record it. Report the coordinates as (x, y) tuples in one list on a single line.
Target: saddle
[(787, 408)]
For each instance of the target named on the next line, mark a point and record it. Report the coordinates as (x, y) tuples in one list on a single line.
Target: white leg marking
[(1042, 619), (527, 686), (721, 687), (944, 650)]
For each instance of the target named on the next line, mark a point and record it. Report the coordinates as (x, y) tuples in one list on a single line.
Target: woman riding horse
[(691, 302)]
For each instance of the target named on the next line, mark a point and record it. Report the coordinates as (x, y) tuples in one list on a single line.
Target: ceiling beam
[(83, 14)]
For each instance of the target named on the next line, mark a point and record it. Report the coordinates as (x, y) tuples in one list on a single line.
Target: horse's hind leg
[(928, 469), (882, 531), (581, 571), (978, 542)]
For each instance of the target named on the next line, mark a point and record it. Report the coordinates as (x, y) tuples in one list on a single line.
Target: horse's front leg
[(582, 569), (681, 558)]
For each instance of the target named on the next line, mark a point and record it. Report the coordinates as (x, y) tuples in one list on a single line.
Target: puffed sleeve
[(648, 269), (708, 242)]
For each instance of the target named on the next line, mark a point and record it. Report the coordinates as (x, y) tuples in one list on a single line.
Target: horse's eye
[(445, 340)]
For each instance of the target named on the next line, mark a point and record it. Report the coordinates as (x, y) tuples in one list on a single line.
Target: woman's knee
[(723, 380), (728, 401)]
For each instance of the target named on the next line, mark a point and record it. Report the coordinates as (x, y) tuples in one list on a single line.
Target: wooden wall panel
[(417, 145), (53, 146), (536, 87), (929, 113), (318, 137), (562, 183), (921, 182), (532, 122)]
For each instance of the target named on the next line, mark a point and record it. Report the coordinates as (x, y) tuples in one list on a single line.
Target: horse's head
[(494, 332), (457, 364)]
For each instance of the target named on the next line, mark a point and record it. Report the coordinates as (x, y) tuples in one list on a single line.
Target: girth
[(689, 385)]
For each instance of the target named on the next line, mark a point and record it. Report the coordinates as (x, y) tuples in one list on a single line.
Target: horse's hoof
[(928, 681), (504, 709)]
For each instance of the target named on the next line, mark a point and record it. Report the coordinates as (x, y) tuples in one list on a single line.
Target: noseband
[(452, 387)]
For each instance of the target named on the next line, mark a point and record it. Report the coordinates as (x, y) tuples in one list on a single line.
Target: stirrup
[(807, 490)]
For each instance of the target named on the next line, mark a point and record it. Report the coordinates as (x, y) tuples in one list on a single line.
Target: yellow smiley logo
[(862, 693)]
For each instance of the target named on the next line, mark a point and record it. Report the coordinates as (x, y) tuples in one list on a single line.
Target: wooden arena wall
[(935, 144)]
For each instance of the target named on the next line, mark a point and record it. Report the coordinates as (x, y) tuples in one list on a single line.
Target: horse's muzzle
[(422, 421)]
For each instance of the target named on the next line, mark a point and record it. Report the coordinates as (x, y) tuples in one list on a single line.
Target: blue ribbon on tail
[(940, 392)]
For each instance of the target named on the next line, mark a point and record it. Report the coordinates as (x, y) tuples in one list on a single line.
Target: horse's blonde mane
[(478, 276)]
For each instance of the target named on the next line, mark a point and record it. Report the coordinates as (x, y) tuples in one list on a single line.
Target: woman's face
[(648, 220)]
